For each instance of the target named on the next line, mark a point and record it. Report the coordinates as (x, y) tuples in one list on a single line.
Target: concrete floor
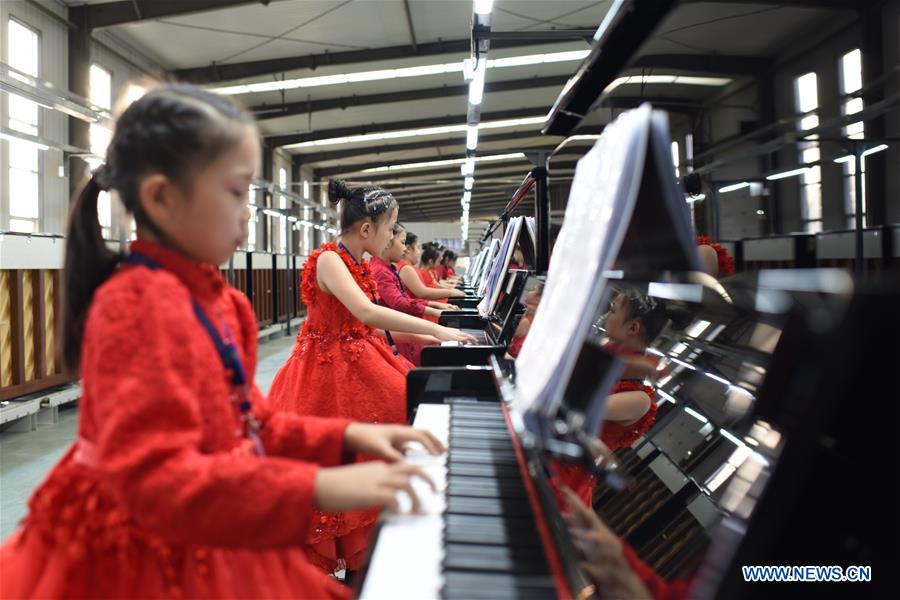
[(26, 458)]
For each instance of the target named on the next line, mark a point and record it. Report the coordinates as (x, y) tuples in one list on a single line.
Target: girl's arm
[(392, 296), (415, 338), (420, 290), (626, 407), (334, 278)]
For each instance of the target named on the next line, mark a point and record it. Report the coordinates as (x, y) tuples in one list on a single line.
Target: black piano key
[(485, 421), (478, 434), (483, 455), (486, 491), (488, 470), (475, 409), (508, 507), (481, 444), (505, 559), (464, 585)]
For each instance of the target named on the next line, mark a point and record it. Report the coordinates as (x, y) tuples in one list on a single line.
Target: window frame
[(30, 223)]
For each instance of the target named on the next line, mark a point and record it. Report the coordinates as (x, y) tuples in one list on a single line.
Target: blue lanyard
[(387, 333), (399, 281), (230, 360)]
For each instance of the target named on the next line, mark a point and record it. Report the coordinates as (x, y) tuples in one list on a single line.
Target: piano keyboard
[(478, 334), (478, 537)]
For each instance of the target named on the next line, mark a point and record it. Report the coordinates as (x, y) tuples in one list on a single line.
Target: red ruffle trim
[(726, 262)]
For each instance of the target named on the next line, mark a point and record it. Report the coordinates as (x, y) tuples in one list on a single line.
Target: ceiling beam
[(515, 170), (446, 199), (277, 111), (479, 167), (117, 13), (704, 63), (485, 189), (219, 73), (485, 170), (307, 159), (675, 105), (324, 134)]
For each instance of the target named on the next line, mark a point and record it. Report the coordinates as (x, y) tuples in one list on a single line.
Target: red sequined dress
[(340, 368), (160, 497)]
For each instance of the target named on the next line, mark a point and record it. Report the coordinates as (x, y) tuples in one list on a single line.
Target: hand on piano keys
[(388, 441), (448, 334), (605, 561)]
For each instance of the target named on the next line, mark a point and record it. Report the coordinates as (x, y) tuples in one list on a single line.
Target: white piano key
[(407, 557)]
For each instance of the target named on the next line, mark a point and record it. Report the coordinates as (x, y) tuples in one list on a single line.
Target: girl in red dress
[(393, 293), (427, 277), (417, 283), (341, 365), (182, 481), (632, 323)]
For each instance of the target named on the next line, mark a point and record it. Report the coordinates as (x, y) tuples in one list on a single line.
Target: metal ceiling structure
[(332, 70)]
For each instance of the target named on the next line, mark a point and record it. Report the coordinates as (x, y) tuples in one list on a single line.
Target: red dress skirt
[(340, 368)]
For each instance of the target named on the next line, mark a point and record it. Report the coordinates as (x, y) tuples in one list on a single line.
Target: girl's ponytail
[(89, 262)]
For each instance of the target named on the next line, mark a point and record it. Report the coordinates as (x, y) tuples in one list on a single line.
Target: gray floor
[(25, 458)]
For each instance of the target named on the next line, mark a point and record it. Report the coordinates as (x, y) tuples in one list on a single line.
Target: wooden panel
[(17, 318), (49, 322), (28, 323), (39, 324), (58, 363), (5, 331)]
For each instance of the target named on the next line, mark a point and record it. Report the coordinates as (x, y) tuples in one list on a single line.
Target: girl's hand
[(448, 334), (366, 485), (388, 441), (454, 293), (448, 306)]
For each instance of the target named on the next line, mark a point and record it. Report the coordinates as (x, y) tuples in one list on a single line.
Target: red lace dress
[(340, 368), (159, 498), (614, 436)]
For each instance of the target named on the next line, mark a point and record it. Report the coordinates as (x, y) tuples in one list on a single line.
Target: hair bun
[(338, 190)]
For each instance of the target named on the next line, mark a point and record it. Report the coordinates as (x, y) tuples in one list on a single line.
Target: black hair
[(654, 313), (360, 203), (448, 256), (397, 229), (173, 130), (429, 254), (411, 238)]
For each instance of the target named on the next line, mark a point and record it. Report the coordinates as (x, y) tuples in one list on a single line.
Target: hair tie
[(101, 176)]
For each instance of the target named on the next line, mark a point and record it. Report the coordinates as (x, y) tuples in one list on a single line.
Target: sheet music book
[(486, 266), (628, 171), (500, 266)]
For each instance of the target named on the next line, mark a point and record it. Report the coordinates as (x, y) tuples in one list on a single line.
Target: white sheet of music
[(500, 266), (406, 561), (606, 184)]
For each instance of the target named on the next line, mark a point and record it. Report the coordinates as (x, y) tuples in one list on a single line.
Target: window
[(101, 97), (305, 189), (676, 159), (807, 101), (851, 81), (24, 156)]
